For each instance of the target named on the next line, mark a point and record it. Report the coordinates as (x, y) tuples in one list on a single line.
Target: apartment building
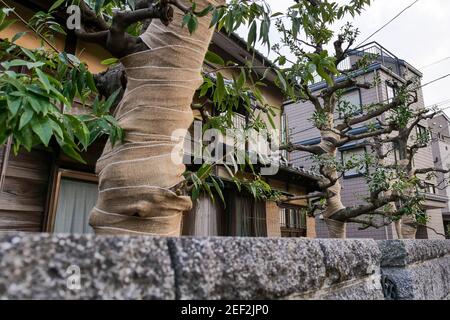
[(440, 131), (387, 68)]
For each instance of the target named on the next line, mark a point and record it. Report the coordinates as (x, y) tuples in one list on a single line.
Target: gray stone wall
[(421, 269), (41, 266)]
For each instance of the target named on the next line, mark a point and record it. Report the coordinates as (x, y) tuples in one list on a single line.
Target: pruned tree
[(394, 186), (158, 49)]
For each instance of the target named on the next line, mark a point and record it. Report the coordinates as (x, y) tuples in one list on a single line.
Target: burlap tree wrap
[(135, 177)]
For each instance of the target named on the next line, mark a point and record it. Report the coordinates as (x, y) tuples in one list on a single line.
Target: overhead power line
[(388, 23), (434, 63), (435, 80)]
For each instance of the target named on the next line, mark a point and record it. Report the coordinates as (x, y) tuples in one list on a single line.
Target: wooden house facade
[(46, 191)]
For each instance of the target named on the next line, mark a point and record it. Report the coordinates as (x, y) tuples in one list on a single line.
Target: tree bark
[(136, 176)]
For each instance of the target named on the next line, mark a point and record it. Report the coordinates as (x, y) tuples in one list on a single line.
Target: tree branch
[(90, 18), (430, 170)]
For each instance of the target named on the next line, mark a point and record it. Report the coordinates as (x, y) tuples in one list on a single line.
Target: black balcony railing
[(376, 54)]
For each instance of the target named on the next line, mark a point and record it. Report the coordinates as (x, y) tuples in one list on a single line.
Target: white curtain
[(248, 217), (259, 218), (205, 218), (243, 213), (76, 200)]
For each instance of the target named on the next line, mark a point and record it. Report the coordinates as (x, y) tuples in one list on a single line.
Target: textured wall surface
[(35, 266), (421, 269)]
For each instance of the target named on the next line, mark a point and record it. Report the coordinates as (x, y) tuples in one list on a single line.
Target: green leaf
[(43, 79), (35, 104), (80, 129), (18, 35), (73, 59), (276, 14), (71, 152), (56, 5), (110, 61), (324, 75), (251, 38), (42, 128), (57, 28), (13, 104), (214, 58), (218, 189), (281, 79), (192, 24), (25, 118), (220, 87), (241, 80), (29, 54), (91, 82), (186, 19), (205, 11), (20, 63), (112, 98), (217, 14)]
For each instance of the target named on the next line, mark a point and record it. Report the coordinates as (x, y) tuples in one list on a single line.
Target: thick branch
[(356, 211), (90, 18), (316, 149), (306, 197), (431, 170), (366, 135), (349, 83)]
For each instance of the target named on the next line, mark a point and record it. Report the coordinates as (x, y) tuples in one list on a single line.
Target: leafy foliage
[(38, 87)]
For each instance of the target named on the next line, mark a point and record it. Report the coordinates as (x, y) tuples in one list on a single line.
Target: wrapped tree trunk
[(136, 176)]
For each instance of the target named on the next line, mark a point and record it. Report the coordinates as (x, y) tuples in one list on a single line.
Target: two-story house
[(45, 190), (386, 68)]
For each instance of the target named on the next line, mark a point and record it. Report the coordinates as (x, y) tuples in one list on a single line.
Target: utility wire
[(388, 23), (434, 63), (435, 80)]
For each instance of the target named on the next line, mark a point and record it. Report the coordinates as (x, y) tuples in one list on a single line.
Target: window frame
[(59, 174), (292, 231), (390, 85), (420, 129), (356, 175), (428, 186), (361, 111)]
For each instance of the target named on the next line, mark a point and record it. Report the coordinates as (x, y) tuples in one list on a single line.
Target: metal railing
[(375, 53)]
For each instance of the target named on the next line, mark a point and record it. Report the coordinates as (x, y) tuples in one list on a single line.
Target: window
[(239, 121), (429, 188), (247, 216), (350, 103), (354, 156), (422, 131), (293, 222), (398, 154), (391, 94), (73, 197)]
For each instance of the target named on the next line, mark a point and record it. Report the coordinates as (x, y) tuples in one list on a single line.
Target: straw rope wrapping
[(135, 177)]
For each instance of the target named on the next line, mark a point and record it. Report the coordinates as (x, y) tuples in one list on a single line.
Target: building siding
[(354, 189)]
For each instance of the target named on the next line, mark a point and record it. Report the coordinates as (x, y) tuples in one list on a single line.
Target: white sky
[(421, 36)]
